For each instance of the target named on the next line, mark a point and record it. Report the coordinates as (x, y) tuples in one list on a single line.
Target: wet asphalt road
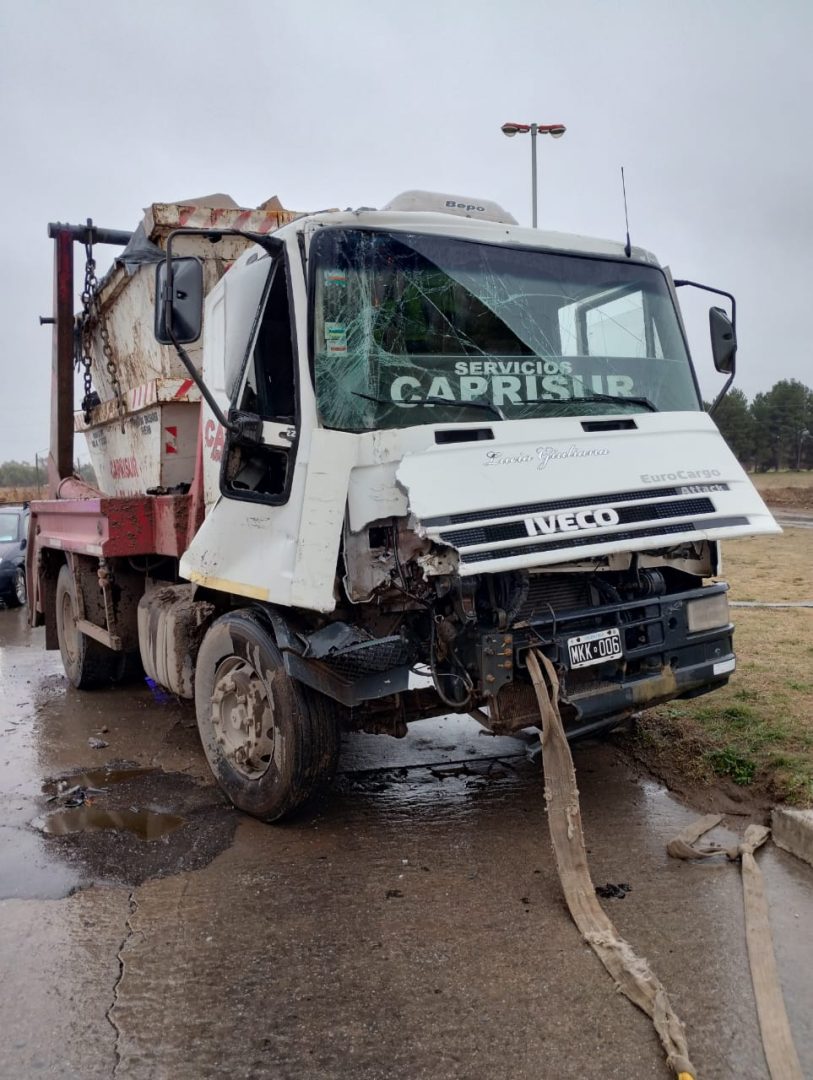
[(410, 925)]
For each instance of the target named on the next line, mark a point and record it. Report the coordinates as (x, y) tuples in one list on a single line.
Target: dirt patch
[(749, 744), (786, 489), (665, 746), (797, 498), (752, 741)]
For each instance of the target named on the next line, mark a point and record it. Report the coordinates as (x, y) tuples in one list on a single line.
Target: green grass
[(757, 732), (729, 763)]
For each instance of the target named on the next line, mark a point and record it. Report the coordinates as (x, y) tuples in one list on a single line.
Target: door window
[(263, 472)]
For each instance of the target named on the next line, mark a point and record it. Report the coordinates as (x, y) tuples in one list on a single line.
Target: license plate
[(594, 648)]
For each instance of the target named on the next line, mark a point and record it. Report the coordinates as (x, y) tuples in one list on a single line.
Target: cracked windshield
[(412, 329)]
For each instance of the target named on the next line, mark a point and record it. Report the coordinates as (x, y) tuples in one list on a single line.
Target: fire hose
[(631, 973)]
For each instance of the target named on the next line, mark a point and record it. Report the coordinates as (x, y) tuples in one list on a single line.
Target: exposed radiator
[(560, 592)]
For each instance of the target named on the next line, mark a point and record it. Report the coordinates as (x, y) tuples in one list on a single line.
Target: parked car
[(13, 539)]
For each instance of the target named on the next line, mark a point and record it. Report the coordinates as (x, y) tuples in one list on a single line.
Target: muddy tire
[(87, 663), (271, 742), (17, 596)]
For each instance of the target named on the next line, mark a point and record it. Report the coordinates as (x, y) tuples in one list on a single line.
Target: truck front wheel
[(270, 741)]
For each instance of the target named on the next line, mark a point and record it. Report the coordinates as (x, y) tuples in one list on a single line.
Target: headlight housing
[(707, 612)]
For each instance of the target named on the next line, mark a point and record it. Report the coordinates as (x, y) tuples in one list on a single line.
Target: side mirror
[(186, 302), (723, 341)]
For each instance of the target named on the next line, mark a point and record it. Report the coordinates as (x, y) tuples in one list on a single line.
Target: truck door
[(273, 529), (260, 468)]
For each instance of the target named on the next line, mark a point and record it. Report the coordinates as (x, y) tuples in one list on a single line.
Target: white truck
[(404, 446)]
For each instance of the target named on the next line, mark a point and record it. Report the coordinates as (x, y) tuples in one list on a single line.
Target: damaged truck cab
[(428, 440)]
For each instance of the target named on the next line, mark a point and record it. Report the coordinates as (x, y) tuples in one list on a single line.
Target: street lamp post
[(556, 131)]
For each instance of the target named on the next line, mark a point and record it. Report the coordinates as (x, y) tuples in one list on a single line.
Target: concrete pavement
[(411, 924)]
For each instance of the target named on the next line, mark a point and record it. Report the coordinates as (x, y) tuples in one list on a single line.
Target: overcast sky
[(108, 106)]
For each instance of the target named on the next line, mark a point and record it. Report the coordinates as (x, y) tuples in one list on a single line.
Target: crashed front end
[(533, 468), (612, 583)]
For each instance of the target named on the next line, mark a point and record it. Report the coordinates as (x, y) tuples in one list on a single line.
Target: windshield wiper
[(477, 403), (614, 398)]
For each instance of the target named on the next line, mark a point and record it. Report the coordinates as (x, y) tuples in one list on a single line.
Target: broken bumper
[(661, 658)]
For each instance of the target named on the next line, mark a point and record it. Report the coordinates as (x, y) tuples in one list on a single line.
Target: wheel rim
[(70, 635), (243, 717), (19, 586)]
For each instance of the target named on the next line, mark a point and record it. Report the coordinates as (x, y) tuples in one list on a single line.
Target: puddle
[(28, 870), (93, 778), (116, 826), (118, 820), (145, 824), (79, 813)]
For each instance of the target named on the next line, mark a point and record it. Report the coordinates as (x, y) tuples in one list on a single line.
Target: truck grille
[(595, 537), (498, 534), (627, 515), (607, 499)]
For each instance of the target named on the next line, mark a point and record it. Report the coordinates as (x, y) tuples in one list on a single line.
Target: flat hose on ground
[(632, 974), (777, 1041)]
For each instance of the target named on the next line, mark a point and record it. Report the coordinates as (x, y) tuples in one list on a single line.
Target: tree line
[(21, 474), (774, 431)]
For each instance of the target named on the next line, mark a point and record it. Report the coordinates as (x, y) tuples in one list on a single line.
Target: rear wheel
[(88, 664), (271, 742)]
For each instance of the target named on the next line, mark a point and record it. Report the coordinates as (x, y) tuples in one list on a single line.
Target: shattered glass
[(401, 317)]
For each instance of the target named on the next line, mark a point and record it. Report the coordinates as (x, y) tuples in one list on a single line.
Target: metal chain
[(91, 316), (84, 340)]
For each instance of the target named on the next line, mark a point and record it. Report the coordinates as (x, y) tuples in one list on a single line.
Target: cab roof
[(465, 228)]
